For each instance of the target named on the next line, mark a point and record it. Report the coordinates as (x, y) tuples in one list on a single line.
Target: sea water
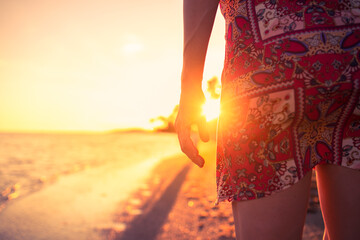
[(30, 161)]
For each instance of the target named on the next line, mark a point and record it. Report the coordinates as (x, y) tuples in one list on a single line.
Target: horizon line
[(116, 130)]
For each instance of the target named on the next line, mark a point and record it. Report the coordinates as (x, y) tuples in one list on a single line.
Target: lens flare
[(211, 109)]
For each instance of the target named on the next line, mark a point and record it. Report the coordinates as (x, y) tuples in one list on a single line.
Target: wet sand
[(77, 206), (175, 201)]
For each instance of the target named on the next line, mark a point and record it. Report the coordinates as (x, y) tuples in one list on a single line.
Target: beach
[(193, 214), (160, 198)]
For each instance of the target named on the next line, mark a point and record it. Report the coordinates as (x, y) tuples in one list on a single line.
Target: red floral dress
[(290, 93)]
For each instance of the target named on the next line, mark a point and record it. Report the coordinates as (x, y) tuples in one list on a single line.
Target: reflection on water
[(28, 161)]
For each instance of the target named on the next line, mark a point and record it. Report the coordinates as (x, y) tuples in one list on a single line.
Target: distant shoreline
[(130, 130), (114, 131)]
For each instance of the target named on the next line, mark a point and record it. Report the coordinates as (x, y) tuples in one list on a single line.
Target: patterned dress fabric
[(290, 93)]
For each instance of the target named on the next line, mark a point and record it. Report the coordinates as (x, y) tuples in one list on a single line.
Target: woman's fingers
[(189, 114), (191, 151), (203, 130), (187, 145)]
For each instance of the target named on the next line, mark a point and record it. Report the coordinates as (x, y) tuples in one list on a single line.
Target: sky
[(91, 65)]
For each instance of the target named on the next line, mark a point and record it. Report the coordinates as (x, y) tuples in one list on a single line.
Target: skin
[(282, 215), (339, 194), (199, 16)]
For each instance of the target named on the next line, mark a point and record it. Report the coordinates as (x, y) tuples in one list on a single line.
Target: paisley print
[(290, 93)]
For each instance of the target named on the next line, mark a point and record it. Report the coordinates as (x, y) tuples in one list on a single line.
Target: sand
[(174, 200), (77, 206)]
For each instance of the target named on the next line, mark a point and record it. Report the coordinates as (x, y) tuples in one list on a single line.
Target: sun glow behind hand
[(211, 109)]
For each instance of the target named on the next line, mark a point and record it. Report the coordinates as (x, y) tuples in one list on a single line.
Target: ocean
[(28, 162)]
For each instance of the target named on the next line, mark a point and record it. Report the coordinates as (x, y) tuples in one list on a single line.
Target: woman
[(290, 103)]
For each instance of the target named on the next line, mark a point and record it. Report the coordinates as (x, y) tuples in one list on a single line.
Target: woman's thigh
[(280, 216), (339, 191)]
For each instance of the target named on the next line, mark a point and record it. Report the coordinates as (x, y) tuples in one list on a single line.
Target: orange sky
[(92, 65)]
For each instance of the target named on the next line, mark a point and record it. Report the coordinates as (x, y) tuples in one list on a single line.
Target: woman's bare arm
[(199, 16)]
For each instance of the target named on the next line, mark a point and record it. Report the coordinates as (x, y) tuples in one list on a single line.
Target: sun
[(131, 48), (211, 109), (212, 92)]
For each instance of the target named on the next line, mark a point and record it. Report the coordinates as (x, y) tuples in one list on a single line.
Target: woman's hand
[(190, 113), (199, 16)]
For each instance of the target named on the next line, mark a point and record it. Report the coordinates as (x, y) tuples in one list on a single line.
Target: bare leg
[(281, 216), (339, 192)]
